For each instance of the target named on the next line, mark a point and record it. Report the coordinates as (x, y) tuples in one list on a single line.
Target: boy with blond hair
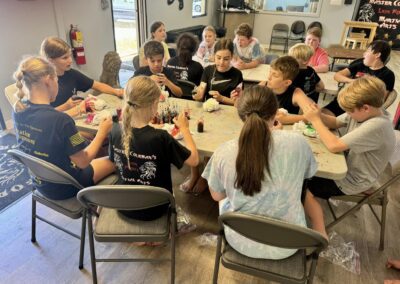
[(307, 79), (368, 137), (281, 75)]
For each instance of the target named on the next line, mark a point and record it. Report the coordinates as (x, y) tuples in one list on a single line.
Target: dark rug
[(15, 181)]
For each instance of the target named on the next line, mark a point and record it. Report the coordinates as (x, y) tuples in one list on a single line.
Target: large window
[(288, 6)]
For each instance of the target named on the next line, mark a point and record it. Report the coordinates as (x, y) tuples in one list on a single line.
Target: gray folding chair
[(68, 207), (275, 233), (279, 35), (111, 226), (391, 97), (297, 32), (378, 197), (135, 62), (268, 58)]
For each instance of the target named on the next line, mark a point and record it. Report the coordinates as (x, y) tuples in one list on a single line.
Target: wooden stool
[(354, 41)]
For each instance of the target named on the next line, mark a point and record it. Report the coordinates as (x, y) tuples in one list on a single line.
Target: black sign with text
[(386, 14)]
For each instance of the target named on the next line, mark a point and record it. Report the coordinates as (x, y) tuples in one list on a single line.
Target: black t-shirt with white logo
[(152, 151), (191, 72), (307, 80), (224, 82), (145, 71)]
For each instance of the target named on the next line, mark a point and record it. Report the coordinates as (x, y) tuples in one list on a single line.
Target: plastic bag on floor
[(207, 239), (343, 254), (183, 222)]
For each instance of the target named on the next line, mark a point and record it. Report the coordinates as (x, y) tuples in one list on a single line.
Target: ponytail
[(256, 107)]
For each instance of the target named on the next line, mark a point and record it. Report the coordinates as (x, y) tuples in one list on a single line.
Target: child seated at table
[(219, 80), (307, 79), (281, 75), (247, 51), (254, 174), (319, 60), (368, 137), (163, 76), (206, 48), (373, 63), (183, 66), (51, 135), (70, 81), (142, 154), (157, 33)]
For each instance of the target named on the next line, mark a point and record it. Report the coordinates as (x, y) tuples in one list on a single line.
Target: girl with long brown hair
[(256, 174)]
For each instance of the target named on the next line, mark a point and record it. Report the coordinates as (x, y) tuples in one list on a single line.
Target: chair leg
[(173, 233), (91, 246), (217, 260), (83, 234), (383, 222), (33, 233)]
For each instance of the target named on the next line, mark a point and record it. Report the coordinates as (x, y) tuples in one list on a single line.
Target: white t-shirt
[(291, 161), (371, 143)]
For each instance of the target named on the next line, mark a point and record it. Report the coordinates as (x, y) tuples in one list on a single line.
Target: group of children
[(247, 174)]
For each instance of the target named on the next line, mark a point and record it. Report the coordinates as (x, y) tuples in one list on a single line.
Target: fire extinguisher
[(78, 50)]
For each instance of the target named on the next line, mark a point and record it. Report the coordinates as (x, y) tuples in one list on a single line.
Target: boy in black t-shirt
[(307, 79), (281, 75), (373, 63), (154, 55)]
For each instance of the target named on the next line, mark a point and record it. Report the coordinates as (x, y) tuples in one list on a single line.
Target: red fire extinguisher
[(78, 50)]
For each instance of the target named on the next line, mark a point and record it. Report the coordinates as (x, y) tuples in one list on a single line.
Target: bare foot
[(393, 263), (391, 282), (200, 186), (188, 184)]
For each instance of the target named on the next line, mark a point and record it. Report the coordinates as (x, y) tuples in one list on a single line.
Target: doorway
[(126, 35)]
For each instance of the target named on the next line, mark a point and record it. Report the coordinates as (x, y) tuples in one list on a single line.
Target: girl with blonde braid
[(142, 154), (51, 135)]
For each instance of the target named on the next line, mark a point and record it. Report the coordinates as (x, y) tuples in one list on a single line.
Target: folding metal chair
[(270, 232), (111, 226), (68, 207), (279, 35), (268, 58), (297, 32), (378, 197)]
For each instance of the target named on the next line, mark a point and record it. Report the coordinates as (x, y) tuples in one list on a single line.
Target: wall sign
[(386, 14)]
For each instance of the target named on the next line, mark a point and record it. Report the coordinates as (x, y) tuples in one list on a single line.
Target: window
[(199, 8), (288, 6)]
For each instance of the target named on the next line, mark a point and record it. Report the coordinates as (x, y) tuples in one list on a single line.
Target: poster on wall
[(386, 14)]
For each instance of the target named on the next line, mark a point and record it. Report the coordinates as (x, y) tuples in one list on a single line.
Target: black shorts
[(334, 107), (323, 188), (65, 191)]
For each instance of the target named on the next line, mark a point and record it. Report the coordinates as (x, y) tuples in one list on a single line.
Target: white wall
[(331, 17), (26, 23), (159, 10)]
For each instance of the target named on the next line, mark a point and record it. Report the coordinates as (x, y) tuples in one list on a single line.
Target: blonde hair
[(367, 90), (301, 52), (140, 94), (209, 29), (54, 47), (30, 71)]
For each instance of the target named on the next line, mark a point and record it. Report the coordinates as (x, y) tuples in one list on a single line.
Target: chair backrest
[(135, 62), (298, 27), (396, 119), (125, 197), (314, 24), (9, 92), (280, 28), (391, 97), (268, 58), (273, 232), (187, 88), (44, 170)]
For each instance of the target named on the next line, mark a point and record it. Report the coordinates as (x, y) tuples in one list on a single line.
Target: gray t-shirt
[(291, 161), (371, 143)]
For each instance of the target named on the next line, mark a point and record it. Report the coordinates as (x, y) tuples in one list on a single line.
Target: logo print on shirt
[(148, 170)]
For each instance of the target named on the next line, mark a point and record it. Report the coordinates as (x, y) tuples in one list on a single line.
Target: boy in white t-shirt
[(247, 51)]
